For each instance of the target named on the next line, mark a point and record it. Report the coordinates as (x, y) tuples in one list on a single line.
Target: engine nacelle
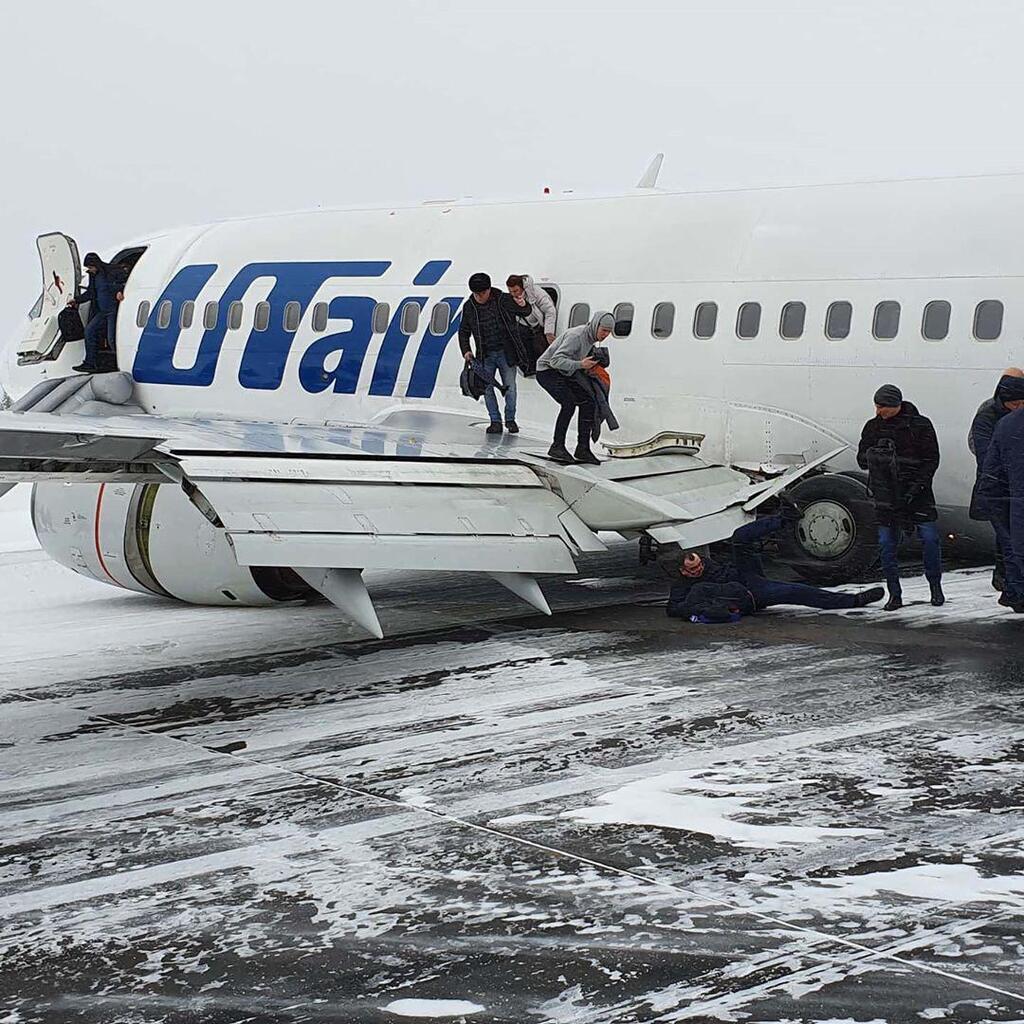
[(150, 538)]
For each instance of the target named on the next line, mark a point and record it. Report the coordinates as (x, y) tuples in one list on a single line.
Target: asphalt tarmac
[(602, 816)]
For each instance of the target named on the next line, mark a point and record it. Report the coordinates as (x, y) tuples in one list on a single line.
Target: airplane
[(288, 412)]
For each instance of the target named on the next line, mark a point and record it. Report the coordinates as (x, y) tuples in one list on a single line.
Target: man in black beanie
[(900, 452), (1009, 396)]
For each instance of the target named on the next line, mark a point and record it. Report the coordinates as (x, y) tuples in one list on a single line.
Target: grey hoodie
[(542, 313), (566, 352)]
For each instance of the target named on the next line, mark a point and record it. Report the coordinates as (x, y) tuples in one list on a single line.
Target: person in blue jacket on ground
[(103, 293), (723, 590)]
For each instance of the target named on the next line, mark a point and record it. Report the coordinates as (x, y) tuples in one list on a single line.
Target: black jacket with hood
[(917, 459), (516, 338)]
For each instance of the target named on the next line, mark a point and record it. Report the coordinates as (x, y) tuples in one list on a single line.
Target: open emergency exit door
[(62, 275)]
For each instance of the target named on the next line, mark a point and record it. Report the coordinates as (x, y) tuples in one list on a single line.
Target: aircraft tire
[(836, 541)]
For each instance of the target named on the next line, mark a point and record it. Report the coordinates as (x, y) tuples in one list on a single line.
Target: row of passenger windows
[(291, 316), (885, 323)]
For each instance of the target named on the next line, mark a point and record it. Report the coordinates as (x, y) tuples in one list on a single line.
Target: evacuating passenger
[(103, 293), (1008, 396), (556, 374), (1001, 494), (723, 591), (900, 451), (542, 317), (489, 316)]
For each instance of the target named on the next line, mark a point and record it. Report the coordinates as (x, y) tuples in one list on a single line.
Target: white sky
[(122, 117)]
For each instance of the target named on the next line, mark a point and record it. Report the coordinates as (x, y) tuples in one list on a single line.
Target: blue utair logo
[(265, 354)]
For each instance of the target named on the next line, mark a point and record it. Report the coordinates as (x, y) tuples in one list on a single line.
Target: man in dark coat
[(1008, 397), (103, 293), (1001, 491), (492, 319), (900, 451), (712, 590)]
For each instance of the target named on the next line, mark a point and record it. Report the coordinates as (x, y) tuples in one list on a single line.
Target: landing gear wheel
[(836, 541)]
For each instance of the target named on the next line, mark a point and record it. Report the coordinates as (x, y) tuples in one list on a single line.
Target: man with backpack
[(103, 293)]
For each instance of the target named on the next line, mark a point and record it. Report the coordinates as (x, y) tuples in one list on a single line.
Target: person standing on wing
[(103, 293), (489, 317), (555, 369), (1009, 396), (900, 452)]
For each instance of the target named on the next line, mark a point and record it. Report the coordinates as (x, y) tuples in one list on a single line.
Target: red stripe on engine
[(96, 534)]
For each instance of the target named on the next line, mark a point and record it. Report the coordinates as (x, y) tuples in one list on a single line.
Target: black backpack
[(70, 323)]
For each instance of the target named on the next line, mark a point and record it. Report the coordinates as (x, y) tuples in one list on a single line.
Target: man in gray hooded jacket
[(556, 369)]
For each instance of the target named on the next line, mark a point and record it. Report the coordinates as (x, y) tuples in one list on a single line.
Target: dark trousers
[(889, 539), (770, 592), (102, 325), (1013, 562), (570, 396)]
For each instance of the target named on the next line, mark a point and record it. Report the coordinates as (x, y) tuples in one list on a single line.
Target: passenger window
[(988, 320), (292, 316), (935, 322), (748, 320), (261, 320), (838, 321), (163, 314), (886, 324), (320, 313), (440, 316), (623, 314), (664, 319), (142, 314), (188, 309), (705, 320), (234, 316), (791, 323), (210, 315), (410, 317), (381, 316), (579, 314)]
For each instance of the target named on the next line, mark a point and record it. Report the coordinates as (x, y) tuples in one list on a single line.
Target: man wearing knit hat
[(1009, 395), (900, 451)]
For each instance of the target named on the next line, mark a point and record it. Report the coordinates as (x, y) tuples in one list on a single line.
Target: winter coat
[(514, 336), (709, 602), (1001, 487), (917, 459), (603, 415), (102, 289), (543, 316), (986, 419)]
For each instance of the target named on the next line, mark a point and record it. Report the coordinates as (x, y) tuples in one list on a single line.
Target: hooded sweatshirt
[(543, 308), (567, 352)]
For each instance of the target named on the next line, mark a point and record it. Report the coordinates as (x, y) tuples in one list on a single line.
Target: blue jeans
[(769, 592), (102, 325), (889, 539), (498, 365), (1013, 562)]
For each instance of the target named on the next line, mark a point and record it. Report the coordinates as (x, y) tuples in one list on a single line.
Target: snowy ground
[(239, 815)]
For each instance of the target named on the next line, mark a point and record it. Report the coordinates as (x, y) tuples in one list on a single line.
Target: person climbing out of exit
[(103, 294)]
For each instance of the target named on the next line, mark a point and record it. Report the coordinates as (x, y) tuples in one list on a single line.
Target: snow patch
[(691, 802), (16, 533), (432, 1007)]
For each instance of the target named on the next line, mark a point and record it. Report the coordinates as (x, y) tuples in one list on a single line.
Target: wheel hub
[(827, 529)]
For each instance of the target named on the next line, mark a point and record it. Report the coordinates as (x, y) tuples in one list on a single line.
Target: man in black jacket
[(1009, 396), (709, 590), (900, 452), (103, 293), (491, 319)]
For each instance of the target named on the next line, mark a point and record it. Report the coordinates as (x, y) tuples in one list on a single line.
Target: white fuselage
[(758, 400)]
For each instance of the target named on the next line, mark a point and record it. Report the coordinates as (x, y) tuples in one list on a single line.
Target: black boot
[(511, 426), (870, 596), (1005, 600), (895, 596), (494, 428), (585, 455), (938, 597), (84, 368), (560, 453)]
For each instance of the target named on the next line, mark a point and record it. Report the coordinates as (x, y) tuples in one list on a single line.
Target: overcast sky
[(122, 117)]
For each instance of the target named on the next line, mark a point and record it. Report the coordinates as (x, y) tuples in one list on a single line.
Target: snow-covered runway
[(232, 815)]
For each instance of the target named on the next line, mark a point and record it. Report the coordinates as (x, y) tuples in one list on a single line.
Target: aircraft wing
[(423, 491)]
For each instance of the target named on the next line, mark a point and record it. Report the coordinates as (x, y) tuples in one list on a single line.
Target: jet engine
[(150, 538)]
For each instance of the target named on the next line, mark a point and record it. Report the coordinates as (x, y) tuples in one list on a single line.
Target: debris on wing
[(665, 441)]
